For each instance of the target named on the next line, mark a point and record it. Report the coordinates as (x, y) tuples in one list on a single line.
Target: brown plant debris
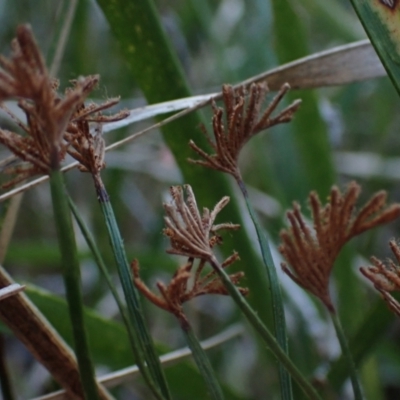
[(187, 283), (191, 234), (311, 254), (243, 121), (386, 278), (49, 116)]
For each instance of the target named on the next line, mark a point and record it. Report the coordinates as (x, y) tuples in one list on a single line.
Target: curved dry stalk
[(311, 253)]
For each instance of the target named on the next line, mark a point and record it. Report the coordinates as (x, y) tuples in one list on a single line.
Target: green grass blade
[(264, 333), (347, 356), (71, 274), (103, 269), (381, 23), (363, 342), (131, 295), (153, 62), (276, 296), (202, 362), (97, 257)]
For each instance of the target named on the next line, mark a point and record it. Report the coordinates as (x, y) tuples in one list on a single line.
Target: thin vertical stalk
[(276, 295), (98, 258), (71, 274), (265, 334), (347, 356), (130, 292), (202, 361), (138, 354)]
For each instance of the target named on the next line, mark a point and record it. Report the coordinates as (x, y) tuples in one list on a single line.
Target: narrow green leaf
[(276, 296), (347, 356), (99, 261), (131, 296), (363, 342), (264, 332), (380, 20), (202, 362), (71, 274)]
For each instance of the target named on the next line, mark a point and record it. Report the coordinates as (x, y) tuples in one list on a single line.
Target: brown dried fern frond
[(311, 254), (243, 120), (386, 277), (181, 288), (192, 234)]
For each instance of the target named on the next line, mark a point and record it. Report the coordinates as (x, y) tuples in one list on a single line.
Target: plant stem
[(276, 295), (71, 274), (265, 334), (138, 354), (131, 295), (202, 361), (347, 355)]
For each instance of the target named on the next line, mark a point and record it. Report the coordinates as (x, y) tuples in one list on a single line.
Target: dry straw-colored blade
[(338, 66), (10, 290), (44, 343), (341, 65)]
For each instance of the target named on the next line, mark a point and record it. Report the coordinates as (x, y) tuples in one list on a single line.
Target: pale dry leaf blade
[(10, 290), (341, 65)]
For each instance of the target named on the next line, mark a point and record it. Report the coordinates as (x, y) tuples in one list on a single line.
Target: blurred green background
[(339, 134)]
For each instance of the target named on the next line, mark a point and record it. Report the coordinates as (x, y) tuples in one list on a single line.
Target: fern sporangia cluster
[(311, 253), (243, 120), (386, 277), (192, 235), (55, 124)]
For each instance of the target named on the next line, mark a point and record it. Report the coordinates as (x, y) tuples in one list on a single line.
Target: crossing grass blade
[(155, 66), (381, 23)]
